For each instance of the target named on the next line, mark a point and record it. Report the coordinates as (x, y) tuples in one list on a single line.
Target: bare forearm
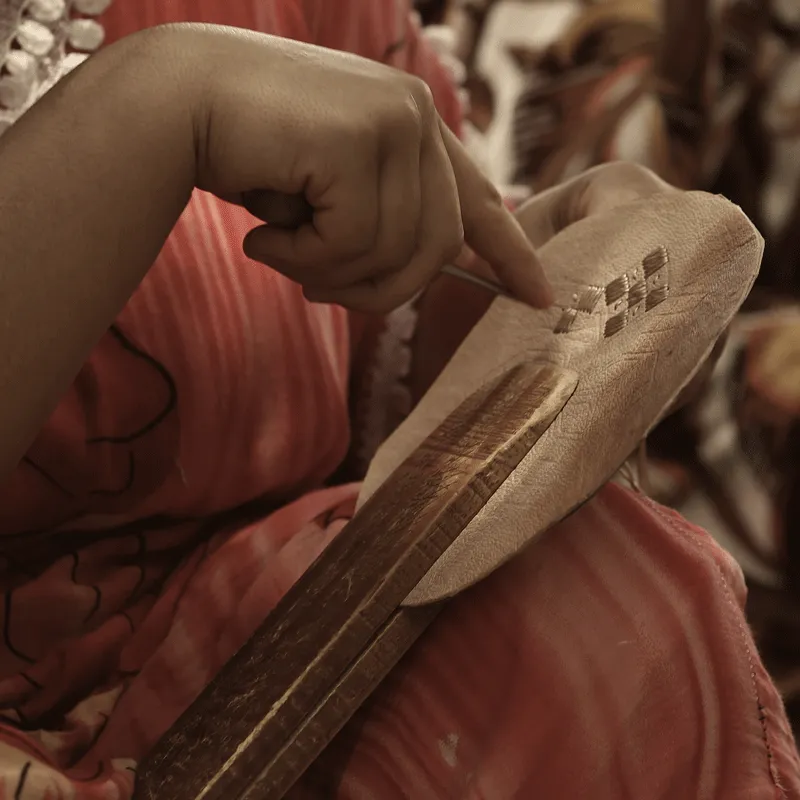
[(92, 180)]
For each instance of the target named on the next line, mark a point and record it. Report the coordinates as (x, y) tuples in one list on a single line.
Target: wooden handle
[(340, 629)]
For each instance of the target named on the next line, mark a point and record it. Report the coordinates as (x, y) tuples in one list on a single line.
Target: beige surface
[(626, 380)]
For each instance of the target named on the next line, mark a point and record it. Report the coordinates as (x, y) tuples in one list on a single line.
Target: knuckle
[(405, 116), (359, 132), (420, 93)]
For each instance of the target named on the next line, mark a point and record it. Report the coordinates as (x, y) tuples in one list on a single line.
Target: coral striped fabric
[(177, 492), (611, 660)]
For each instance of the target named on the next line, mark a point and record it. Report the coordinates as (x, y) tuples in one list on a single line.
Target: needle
[(484, 283), (292, 211)]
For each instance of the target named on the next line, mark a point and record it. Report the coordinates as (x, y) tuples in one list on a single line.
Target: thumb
[(598, 190)]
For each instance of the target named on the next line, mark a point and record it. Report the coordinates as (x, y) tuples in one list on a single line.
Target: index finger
[(492, 232)]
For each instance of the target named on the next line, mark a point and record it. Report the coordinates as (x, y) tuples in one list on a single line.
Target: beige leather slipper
[(643, 292)]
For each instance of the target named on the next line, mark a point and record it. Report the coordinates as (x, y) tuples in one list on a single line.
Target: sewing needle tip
[(477, 280)]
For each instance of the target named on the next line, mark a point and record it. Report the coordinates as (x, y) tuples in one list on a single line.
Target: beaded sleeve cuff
[(40, 42)]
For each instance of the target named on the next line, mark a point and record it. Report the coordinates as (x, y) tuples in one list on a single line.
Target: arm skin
[(94, 177)]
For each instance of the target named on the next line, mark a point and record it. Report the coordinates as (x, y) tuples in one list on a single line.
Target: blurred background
[(707, 94)]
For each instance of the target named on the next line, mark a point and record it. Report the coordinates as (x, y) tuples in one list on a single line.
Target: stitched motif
[(585, 304), (626, 297)]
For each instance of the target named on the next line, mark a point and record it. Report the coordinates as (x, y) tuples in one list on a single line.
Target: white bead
[(20, 64), (14, 91), (85, 34), (47, 10), (35, 38), (92, 8)]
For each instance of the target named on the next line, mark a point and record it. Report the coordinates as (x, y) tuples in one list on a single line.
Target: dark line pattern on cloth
[(27, 678), (98, 598), (23, 777), (74, 577), (47, 476), (250, 510), (7, 630), (170, 405), (392, 49), (24, 724)]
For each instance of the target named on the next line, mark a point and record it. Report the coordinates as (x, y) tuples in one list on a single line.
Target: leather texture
[(642, 294)]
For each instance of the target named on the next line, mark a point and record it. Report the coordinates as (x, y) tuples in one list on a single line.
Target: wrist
[(134, 93)]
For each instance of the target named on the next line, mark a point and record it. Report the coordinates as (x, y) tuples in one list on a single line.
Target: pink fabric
[(611, 660)]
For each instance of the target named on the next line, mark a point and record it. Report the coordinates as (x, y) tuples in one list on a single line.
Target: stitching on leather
[(586, 303), (589, 299), (637, 293), (616, 290), (655, 261), (683, 531), (564, 324), (656, 296), (616, 323), (625, 296), (632, 290)]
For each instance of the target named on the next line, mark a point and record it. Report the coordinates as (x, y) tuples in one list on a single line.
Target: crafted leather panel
[(643, 292)]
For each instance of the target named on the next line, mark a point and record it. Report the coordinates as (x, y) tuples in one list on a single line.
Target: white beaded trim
[(40, 42), (442, 40), (387, 398)]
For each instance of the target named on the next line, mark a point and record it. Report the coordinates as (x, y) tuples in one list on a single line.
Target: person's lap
[(610, 659)]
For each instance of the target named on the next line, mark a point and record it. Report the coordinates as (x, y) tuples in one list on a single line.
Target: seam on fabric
[(686, 531)]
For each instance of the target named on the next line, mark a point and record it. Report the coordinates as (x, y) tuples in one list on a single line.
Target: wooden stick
[(341, 628)]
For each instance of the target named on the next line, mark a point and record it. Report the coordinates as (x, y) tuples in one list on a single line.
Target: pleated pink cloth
[(177, 492)]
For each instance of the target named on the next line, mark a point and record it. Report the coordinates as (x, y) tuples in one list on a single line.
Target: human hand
[(450, 308), (593, 192), (393, 193)]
